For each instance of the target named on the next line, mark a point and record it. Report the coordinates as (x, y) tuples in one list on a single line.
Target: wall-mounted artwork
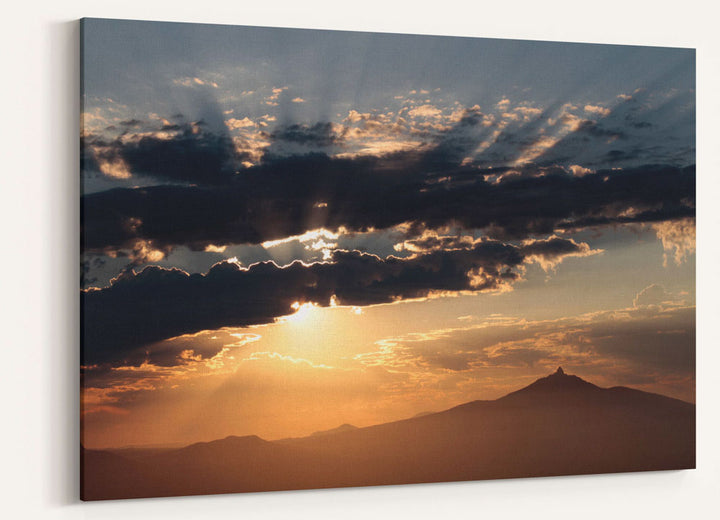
[(317, 259)]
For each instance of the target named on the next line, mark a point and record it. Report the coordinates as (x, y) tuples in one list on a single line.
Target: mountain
[(340, 429), (421, 414), (558, 425)]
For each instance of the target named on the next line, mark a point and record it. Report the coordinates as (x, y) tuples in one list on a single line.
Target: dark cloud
[(431, 241), (88, 163), (192, 155), (553, 247), (317, 135), (136, 310), (182, 152), (301, 139), (292, 190), (280, 198)]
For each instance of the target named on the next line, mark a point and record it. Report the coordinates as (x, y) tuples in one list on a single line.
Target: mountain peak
[(556, 387)]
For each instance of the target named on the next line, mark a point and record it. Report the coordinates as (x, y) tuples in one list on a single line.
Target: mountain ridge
[(558, 425)]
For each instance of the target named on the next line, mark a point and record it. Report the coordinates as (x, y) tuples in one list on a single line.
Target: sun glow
[(309, 236), (303, 313)]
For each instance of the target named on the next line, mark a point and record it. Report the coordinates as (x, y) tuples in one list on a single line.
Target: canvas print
[(318, 259)]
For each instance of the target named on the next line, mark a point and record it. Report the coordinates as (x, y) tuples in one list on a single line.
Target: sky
[(287, 230)]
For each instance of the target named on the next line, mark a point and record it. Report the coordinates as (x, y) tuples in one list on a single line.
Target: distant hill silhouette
[(420, 414), (339, 429), (342, 428), (558, 425)]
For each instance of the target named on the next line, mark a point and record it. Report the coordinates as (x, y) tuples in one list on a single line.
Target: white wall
[(38, 205)]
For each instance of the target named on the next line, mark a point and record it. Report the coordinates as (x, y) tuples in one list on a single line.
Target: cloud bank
[(287, 197), (137, 309)]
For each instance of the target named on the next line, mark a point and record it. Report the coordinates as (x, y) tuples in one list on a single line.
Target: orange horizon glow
[(325, 366)]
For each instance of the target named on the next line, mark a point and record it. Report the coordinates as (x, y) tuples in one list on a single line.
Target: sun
[(303, 313)]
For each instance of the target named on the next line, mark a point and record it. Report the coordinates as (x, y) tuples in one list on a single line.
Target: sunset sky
[(288, 230)]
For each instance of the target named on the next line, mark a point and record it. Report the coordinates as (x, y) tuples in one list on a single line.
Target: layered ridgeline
[(559, 425)]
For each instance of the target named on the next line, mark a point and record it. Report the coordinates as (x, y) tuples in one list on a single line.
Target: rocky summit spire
[(560, 371)]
